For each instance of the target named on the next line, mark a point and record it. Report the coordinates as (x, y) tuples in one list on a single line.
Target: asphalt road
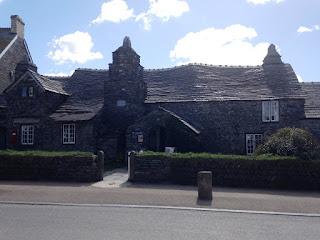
[(76, 222)]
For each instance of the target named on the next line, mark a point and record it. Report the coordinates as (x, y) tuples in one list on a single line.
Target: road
[(84, 222)]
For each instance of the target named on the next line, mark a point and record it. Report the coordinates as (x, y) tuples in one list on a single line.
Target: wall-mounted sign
[(121, 103), (137, 137)]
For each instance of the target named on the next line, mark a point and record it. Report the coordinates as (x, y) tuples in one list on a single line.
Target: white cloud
[(256, 2), (164, 10), (303, 29), (114, 11), (60, 74), (74, 47), (229, 46), (299, 78)]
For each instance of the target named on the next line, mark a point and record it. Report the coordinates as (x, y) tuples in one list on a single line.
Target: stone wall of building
[(66, 168), (225, 124)]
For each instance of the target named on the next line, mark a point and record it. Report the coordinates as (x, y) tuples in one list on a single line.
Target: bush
[(291, 142)]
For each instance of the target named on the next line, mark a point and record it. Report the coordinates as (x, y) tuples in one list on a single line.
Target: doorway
[(157, 137)]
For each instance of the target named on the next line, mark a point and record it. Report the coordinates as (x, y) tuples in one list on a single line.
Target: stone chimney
[(273, 57), (17, 26)]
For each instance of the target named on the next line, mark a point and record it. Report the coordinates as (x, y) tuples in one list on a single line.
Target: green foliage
[(291, 142), (201, 156), (44, 153)]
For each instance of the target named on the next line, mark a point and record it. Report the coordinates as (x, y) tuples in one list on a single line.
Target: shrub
[(291, 142)]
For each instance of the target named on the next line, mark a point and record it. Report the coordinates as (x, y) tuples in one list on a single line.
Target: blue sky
[(63, 35)]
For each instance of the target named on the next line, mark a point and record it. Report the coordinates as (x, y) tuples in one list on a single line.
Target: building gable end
[(28, 73)]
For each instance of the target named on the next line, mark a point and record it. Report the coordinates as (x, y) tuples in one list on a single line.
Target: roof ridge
[(91, 69), (204, 64)]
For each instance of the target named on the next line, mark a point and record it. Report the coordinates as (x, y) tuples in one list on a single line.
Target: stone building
[(196, 107)]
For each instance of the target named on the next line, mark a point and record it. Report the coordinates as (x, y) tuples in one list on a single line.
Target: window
[(270, 111), (30, 91), (24, 92), (27, 135), (252, 142), (68, 134)]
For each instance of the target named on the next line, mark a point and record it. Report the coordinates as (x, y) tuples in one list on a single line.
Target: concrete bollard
[(131, 166), (205, 185)]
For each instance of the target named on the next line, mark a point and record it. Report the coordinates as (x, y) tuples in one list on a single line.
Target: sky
[(63, 35)]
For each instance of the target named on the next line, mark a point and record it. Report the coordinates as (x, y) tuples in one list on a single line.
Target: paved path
[(113, 179), (114, 190)]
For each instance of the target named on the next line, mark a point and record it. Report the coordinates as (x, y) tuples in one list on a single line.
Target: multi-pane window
[(252, 142), (30, 91), (27, 134), (68, 134), (270, 111)]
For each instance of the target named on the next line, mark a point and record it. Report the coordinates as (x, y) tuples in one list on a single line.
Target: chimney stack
[(17, 26)]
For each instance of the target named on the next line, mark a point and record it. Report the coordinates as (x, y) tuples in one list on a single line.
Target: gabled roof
[(46, 83), (189, 124), (6, 38), (221, 83), (86, 90), (312, 103)]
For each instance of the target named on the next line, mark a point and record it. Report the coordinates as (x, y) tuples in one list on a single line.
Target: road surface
[(84, 222)]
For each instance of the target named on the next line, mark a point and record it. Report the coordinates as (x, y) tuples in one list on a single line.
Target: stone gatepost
[(131, 166), (205, 185)]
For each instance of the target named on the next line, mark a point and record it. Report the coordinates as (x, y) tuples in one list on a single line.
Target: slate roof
[(312, 103), (5, 38), (86, 90), (49, 84), (196, 82)]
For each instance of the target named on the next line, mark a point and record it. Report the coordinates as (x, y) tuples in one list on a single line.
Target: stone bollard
[(205, 185), (131, 166), (100, 166)]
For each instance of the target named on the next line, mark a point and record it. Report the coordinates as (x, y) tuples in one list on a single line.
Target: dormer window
[(30, 91), (24, 92), (270, 111)]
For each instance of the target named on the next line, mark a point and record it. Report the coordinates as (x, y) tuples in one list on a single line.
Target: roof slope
[(5, 38), (49, 84), (312, 104), (217, 83), (86, 90)]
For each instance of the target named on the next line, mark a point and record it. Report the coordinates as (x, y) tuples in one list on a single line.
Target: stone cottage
[(196, 107)]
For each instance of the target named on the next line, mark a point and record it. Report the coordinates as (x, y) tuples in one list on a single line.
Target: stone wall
[(63, 168), (276, 174), (223, 124)]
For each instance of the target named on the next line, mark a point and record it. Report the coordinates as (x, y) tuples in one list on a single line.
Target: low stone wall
[(277, 174), (62, 168)]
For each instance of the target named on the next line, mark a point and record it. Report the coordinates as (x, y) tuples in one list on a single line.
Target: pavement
[(114, 189)]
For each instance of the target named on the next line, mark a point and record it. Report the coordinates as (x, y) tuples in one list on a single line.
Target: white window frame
[(27, 134), (30, 91), (252, 142), (270, 111), (69, 134)]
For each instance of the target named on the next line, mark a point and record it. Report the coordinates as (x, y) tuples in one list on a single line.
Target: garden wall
[(52, 168), (277, 174)]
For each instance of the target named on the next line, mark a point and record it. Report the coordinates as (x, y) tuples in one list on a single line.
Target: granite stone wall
[(66, 168), (275, 174)]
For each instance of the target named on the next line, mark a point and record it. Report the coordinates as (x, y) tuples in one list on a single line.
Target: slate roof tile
[(312, 103), (215, 83), (5, 38), (86, 90)]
